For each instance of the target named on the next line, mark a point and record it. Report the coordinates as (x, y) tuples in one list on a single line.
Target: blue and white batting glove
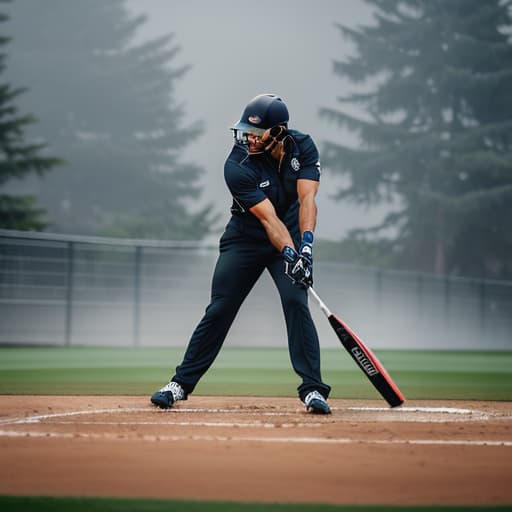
[(306, 253), (297, 268)]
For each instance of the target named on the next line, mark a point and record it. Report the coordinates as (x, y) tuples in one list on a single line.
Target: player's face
[(255, 144)]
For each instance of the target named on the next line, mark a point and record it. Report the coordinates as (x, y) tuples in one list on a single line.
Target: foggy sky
[(238, 50)]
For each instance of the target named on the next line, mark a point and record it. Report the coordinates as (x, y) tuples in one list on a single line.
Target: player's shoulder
[(301, 138), (238, 154), (237, 165), (236, 159), (305, 146)]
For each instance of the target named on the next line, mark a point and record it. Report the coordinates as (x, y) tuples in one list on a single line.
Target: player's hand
[(307, 279), (276, 141), (273, 136), (297, 268), (306, 253)]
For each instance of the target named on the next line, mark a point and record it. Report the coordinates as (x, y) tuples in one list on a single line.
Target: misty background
[(232, 53), (116, 119), (128, 106), (237, 52)]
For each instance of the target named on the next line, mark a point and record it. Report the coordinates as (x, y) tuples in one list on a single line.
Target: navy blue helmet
[(262, 112)]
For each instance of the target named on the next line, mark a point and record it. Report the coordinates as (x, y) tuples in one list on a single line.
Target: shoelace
[(314, 395)]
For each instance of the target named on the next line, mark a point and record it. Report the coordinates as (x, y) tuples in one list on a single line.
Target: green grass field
[(251, 372), (32, 504), (241, 371)]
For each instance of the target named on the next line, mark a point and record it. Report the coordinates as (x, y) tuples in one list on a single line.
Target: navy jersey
[(253, 178)]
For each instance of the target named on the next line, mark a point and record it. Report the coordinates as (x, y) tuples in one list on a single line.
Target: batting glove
[(297, 268), (306, 246)]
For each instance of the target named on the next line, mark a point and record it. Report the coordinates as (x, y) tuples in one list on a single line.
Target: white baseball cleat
[(316, 403), (170, 393)]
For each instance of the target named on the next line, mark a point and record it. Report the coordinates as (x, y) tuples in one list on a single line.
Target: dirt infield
[(257, 449)]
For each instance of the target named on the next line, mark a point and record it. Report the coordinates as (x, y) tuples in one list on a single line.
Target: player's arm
[(279, 236), (307, 190), (277, 232)]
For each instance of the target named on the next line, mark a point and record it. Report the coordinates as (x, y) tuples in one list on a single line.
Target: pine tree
[(435, 126), (108, 106), (18, 157)]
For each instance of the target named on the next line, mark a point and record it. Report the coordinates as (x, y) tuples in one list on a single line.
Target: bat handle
[(321, 303)]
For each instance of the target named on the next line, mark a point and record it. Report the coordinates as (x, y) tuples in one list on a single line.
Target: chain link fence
[(73, 290)]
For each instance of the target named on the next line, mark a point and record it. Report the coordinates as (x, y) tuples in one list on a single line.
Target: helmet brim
[(248, 128)]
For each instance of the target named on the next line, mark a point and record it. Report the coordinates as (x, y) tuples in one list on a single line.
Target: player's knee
[(294, 301), (221, 307)]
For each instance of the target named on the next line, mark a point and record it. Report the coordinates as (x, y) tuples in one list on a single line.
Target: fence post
[(447, 301), (136, 295), (69, 292), (419, 295), (482, 306), (378, 290)]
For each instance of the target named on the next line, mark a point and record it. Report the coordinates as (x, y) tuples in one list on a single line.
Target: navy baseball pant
[(240, 263)]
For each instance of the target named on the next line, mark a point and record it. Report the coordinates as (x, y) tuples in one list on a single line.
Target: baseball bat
[(363, 356)]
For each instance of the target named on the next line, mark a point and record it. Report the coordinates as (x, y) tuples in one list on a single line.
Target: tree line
[(107, 106), (431, 86), (434, 81)]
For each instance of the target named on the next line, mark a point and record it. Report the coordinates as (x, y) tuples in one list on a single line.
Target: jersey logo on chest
[(265, 184)]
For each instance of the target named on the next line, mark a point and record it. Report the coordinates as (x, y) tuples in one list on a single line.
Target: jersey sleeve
[(309, 161), (243, 185)]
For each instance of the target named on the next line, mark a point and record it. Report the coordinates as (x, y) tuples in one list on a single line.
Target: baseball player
[(273, 175)]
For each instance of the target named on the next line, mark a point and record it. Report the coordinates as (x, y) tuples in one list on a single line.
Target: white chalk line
[(41, 417), (255, 439), (308, 440), (396, 414), (445, 410), (223, 424)]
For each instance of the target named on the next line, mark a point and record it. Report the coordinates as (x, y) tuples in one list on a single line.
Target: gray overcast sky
[(238, 50)]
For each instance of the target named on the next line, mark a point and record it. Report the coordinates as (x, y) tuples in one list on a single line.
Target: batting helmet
[(262, 112)]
